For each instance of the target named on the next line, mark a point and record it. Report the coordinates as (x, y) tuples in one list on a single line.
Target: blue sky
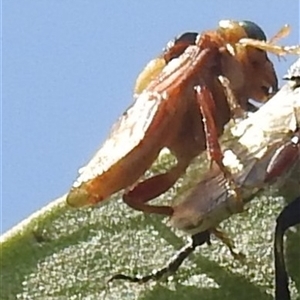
[(68, 72)]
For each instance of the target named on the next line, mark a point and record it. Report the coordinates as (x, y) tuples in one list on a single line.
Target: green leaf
[(64, 253)]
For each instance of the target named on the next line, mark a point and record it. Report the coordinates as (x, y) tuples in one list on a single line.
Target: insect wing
[(140, 133), (125, 135)]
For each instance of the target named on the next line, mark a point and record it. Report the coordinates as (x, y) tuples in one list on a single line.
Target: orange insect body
[(166, 113)]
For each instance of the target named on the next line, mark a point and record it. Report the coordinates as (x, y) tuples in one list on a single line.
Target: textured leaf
[(64, 253)]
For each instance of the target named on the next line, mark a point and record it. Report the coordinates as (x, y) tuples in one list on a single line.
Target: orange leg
[(235, 108), (139, 195), (207, 107)]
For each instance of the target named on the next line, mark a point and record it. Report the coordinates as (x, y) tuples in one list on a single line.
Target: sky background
[(68, 72)]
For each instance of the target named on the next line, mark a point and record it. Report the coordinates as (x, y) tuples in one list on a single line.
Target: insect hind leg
[(138, 196)]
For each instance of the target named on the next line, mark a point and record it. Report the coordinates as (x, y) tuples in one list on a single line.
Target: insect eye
[(253, 31), (189, 37)]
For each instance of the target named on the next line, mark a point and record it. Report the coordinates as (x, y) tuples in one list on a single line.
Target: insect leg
[(147, 190), (228, 242), (174, 263), (207, 107), (235, 107), (289, 216)]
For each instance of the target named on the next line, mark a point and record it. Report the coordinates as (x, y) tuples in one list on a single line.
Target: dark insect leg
[(174, 263), (289, 216)]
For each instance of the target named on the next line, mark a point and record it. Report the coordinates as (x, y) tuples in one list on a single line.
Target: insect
[(278, 160), (207, 203), (290, 215), (213, 186), (198, 213), (166, 112)]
